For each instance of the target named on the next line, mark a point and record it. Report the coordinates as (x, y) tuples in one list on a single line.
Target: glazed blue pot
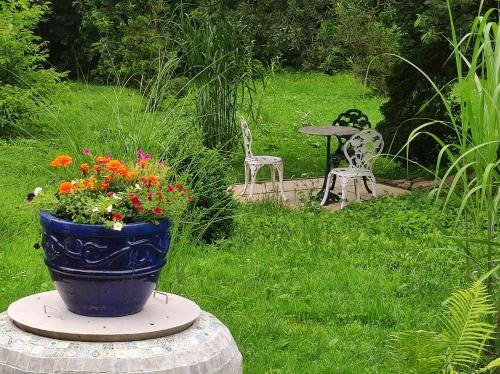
[(101, 272)]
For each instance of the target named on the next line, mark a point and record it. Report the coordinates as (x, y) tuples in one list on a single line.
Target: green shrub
[(25, 86), (213, 202), (412, 100), (128, 39), (354, 39)]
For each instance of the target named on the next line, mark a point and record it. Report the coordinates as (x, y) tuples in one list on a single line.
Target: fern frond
[(465, 327), (492, 365), (418, 352)]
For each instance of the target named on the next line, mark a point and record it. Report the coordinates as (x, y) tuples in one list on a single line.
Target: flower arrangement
[(104, 190)]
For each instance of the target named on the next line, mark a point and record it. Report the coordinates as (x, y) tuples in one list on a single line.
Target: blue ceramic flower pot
[(100, 272)]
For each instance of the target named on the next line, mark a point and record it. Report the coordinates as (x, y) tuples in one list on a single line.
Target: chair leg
[(329, 182), (356, 189), (246, 180), (253, 176), (344, 182), (273, 176), (282, 184), (373, 183)]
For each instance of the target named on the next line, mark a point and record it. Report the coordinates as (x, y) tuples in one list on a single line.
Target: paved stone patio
[(299, 190)]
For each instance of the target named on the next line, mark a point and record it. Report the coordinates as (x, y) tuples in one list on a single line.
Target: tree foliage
[(127, 40), (130, 39), (25, 85), (412, 100)]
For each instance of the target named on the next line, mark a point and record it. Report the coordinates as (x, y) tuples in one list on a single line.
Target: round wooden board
[(46, 315)]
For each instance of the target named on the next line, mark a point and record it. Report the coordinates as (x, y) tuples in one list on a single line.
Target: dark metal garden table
[(329, 131)]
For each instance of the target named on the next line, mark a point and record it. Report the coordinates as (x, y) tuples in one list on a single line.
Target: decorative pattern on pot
[(102, 272)]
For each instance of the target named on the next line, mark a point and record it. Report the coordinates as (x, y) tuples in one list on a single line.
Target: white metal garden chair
[(360, 151), (254, 163)]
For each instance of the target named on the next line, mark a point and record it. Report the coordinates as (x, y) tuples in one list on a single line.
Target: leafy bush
[(412, 100), (128, 39), (213, 201), (25, 86), (68, 46), (354, 39)]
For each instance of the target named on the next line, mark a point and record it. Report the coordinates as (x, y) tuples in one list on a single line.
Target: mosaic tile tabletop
[(206, 347)]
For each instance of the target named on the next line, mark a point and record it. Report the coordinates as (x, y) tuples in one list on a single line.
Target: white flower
[(95, 209), (73, 182), (109, 208), (37, 190), (137, 187), (115, 196), (117, 225)]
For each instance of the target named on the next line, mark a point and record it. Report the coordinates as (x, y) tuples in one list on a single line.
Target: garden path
[(299, 190)]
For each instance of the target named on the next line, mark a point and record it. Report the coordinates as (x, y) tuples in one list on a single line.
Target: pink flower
[(86, 152), (140, 152)]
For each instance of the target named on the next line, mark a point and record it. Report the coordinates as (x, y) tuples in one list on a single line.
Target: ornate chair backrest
[(361, 149), (353, 118), (247, 137)]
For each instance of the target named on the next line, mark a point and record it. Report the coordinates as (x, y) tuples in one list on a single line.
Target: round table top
[(329, 130)]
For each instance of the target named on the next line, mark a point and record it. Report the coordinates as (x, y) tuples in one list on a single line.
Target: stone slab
[(45, 314), (299, 191), (205, 347)]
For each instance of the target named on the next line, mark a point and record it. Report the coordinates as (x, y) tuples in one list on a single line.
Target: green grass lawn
[(302, 291)]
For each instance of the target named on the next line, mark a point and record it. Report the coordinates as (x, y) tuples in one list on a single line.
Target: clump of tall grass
[(468, 167), (216, 59)]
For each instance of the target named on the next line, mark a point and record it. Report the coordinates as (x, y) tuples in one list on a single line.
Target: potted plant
[(106, 230)]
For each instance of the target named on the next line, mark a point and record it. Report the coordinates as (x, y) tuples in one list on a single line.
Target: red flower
[(177, 186), (150, 196), (117, 216), (170, 188), (190, 198), (159, 195), (158, 211), (135, 201)]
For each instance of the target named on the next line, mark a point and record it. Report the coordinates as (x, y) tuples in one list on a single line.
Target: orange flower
[(152, 180), (143, 162), (90, 183), (102, 159), (114, 165), (123, 171), (105, 184), (97, 168), (84, 168), (61, 161), (66, 187)]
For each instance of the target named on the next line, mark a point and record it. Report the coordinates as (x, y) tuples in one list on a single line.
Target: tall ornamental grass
[(216, 59), (471, 160)]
